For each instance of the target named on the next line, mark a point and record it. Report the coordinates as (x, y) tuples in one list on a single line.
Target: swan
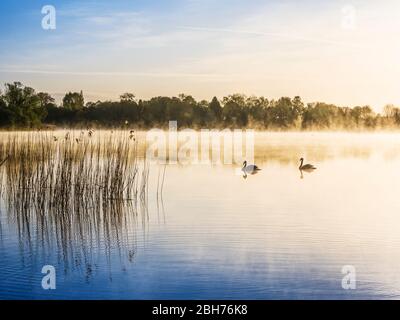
[(251, 168), (306, 166)]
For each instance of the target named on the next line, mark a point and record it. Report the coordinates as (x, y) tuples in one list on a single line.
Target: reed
[(74, 187), (58, 174)]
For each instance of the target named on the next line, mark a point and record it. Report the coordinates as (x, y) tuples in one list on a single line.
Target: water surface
[(216, 235)]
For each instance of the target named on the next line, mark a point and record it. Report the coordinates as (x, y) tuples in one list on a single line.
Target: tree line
[(23, 107)]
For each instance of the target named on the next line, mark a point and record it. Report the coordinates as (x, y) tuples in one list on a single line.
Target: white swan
[(251, 168)]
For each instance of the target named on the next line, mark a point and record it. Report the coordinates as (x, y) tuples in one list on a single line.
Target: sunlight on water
[(212, 233)]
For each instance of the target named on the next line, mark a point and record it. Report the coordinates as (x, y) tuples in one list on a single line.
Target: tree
[(45, 99), (187, 107), (283, 113), (4, 112), (74, 101), (187, 99), (319, 115), (392, 114), (22, 105), (234, 111), (359, 115), (257, 108), (127, 97), (298, 105), (201, 114), (215, 110)]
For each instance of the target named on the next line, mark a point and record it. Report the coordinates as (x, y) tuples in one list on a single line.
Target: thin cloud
[(123, 74), (272, 34)]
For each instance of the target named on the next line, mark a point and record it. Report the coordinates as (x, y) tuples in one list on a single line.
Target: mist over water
[(212, 234)]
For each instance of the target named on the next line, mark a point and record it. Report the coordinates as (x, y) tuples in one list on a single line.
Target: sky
[(342, 52)]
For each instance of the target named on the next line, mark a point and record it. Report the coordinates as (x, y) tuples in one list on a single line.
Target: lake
[(213, 234)]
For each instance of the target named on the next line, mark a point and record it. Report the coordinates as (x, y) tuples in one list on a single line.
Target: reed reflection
[(78, 200)]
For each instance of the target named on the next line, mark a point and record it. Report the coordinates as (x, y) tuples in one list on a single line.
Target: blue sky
[(206, 48)]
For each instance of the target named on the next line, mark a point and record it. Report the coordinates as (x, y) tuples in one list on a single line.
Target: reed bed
[(74, 189), (57, 174)]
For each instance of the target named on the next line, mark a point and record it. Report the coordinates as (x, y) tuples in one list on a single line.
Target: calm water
[(216, 235)]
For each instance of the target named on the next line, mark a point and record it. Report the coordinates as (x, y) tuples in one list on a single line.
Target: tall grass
[(73, 189), (58, 174)]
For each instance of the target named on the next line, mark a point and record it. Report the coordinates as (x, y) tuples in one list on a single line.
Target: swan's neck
[(244, 164), (301, 163)]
